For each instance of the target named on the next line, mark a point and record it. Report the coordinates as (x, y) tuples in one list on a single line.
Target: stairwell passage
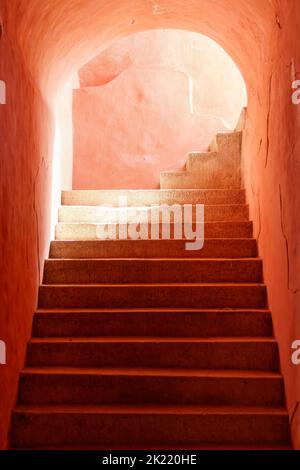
[(144, 344)]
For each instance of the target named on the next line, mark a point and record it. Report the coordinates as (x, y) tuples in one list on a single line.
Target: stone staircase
[(143, 344)]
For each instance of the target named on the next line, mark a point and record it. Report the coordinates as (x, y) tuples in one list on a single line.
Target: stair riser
[(243, 248), (115, 389), (164, 324), (206, 165), (228, 145), (85, 231), (201, 355), (99, 214), (202, 161), (81, 429), (150, 271), (153, 296), (152, 197), (206, 180)]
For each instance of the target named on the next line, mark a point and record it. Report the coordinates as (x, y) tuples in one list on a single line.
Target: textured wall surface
[(272, 176), (148, 100), (43, 43)]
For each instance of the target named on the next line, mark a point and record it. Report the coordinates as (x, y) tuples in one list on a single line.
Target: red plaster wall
[(272, 177), (43, 45), (128, 131), (147, 101), (25, 200)]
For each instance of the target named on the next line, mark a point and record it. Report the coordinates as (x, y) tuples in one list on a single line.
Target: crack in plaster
[(295, 412), (268, 120), (278, 22), (259, 215), (256, 196), (1, 24), (259, 218), (36, 216), (286, 244)]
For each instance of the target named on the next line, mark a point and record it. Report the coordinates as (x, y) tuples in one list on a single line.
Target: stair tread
[(83, 191), (149, 372), (157, 260), (162, 284), (154, 339), (87, 206), (150, 310), (236, 240), (179, 446), (184, 172), (178, 172), (96, 248), (210, 222), (153, 409), (137, 196)]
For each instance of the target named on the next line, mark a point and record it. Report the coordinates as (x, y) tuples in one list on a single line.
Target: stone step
[(126, 271), (59, 385), (148, 197), (213, 248), (203, 161), (105, 214), (92, 231), (219, 167), (178, 446), (194, 180), (153, 296), (155, 322), (191, 353), (39, 426)]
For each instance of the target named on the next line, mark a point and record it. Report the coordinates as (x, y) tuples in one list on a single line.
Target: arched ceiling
[(58, 36)]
